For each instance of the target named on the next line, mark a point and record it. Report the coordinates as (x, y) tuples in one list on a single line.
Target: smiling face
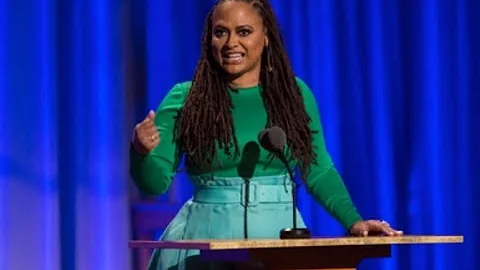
[(238, 40)]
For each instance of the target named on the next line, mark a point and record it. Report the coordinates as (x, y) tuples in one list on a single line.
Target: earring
[(269, 61)]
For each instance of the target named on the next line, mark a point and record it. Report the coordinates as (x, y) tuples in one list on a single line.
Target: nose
[(232, 40)]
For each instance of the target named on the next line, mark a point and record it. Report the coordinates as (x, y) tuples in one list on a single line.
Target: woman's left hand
[(373, 228)]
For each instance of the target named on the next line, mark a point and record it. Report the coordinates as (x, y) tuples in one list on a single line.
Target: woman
[(243, 84)]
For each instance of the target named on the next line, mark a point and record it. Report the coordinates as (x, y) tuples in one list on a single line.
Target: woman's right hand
[(146, 136)]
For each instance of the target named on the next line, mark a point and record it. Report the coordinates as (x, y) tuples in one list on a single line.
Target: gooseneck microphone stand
[(295, 232)]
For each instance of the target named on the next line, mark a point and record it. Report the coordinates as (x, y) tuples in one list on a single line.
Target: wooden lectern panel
[(218, 244), (322, 257), (336, 253)]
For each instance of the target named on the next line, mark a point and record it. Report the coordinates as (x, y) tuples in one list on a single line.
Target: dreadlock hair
[(205, 121)]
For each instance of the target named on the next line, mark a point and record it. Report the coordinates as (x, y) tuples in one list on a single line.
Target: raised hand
[(146, 136)]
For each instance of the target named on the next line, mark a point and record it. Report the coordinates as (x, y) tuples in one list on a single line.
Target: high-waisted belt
[(258, 193)]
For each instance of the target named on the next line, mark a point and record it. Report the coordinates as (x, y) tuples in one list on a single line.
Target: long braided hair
[(205, 121)]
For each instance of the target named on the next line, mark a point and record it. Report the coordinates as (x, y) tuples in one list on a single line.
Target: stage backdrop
[(397, 83)]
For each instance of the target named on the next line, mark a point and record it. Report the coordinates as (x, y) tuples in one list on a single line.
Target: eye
[(244, 32), (219, 32)]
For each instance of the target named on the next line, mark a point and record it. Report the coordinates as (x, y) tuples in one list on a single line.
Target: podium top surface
[(214, 244)]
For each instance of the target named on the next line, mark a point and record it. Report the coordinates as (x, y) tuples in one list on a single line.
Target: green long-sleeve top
[(153, 173)]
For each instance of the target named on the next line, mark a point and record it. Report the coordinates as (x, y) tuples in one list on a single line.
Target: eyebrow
[(219, 25)]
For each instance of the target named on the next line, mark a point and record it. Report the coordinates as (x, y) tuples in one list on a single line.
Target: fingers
[(146, 135), (151, 141), (359, 229), (146, 127), (151, 115), (384, 227), (397, 232), (149, 120), (374, 228)]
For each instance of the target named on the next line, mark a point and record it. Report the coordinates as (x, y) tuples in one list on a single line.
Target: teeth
[(234, 56)]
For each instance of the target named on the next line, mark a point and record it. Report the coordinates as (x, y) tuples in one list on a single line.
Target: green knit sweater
[(154, 172)]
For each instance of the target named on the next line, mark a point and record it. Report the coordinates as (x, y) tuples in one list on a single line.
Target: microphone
[(274, 140), (246, 170)]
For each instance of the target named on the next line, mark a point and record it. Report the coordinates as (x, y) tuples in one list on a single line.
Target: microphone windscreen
[(272, 139), (248, 163), (277, 138)]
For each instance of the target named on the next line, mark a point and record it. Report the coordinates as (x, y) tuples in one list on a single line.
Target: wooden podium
[(339, 253)]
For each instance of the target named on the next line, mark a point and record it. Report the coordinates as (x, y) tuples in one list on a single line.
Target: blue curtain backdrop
[(397, 83), (63, 192)]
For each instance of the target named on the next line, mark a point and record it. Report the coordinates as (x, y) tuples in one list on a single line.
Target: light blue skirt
[(217, 211)]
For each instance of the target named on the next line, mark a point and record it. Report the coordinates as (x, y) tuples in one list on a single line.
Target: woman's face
[(238, 39)]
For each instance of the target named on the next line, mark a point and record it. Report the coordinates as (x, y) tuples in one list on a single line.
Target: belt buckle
[(253, 193)]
